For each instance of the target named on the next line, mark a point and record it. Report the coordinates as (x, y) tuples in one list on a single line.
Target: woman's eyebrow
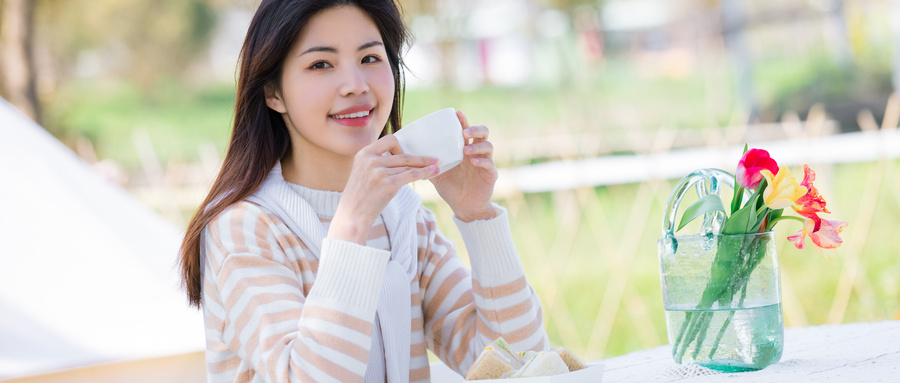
[(333, 50)]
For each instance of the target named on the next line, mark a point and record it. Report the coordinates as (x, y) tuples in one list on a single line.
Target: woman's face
[(336, 86)]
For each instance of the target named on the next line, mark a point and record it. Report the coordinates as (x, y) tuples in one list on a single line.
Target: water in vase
[(731, 340)]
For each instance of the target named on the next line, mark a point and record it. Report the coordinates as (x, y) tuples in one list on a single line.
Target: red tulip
[(751, 164)]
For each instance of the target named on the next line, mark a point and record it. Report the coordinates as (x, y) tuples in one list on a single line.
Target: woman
[(310, 257)]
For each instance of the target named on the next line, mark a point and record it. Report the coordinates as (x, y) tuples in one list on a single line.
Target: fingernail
[(468, 149), (475, 160), (433, 168), (468, 132), (434, 160)]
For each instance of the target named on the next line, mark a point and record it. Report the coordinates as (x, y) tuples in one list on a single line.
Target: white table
[(853, 352)]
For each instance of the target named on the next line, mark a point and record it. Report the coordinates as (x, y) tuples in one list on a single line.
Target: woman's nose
[(354, 81)]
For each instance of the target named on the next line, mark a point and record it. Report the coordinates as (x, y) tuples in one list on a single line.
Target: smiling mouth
[(351, 116)]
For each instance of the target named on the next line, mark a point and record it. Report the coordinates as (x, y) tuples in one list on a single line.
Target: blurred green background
[(144, 91)]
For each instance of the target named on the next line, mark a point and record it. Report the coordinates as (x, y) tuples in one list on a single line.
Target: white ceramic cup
[(438, 134)]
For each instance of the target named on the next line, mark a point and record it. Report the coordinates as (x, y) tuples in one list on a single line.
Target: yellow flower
[(782, 189)]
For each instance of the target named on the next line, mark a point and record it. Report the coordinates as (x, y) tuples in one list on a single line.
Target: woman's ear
[(274, 100)]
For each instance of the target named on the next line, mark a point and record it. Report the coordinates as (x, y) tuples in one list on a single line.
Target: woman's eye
[(320, 65), (370, 59)]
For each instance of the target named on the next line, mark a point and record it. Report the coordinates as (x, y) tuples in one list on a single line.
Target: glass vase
[(722, 293)]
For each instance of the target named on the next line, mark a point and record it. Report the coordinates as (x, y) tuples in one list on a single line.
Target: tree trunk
[(18, 66)]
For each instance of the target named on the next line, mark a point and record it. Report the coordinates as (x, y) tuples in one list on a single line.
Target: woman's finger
[(407, 175), (477, 133), (406, 160), (482, 162), (384, 144), (462, 119), (483, 148)]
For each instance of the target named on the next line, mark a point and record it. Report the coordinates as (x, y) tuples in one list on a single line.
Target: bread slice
[(545, 364), (571, 360), (491, 364)]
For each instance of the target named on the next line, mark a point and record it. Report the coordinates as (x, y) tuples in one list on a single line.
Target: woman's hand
[(468, 187), (373, 182)]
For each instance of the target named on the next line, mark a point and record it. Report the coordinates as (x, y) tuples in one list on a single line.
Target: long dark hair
[(260, 138)]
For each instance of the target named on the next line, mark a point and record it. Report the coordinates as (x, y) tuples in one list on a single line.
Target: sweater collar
[(281, 197)]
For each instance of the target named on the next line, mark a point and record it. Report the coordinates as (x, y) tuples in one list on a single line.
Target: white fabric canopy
[(87, 274)]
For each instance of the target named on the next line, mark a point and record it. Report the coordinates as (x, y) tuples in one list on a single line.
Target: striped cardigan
[(265, 321)]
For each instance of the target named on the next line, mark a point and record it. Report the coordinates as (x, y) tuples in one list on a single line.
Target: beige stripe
[(417, 349), (262, 233), (438, 240), (421, 254), (217, 242), (331, 368), (244, 376), (278, 317), (485, 329), (273, 357), (342, 345), (245, 316), (274, 219), (438, 340), (236, 223), (337, 317), (417, 324), (304, 377), (430, 225), (448, 284), (460, 328), (418, 374), (523, 333), (421, 229), (289, 241), (508, 313), (426, 279), (223, 366), (214, 323), (264, 280), (500, 291), (217, 347), (302, 265)]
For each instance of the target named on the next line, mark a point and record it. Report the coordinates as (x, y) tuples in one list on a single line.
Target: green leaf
[(742, 220), (760, 218), (708, 204)]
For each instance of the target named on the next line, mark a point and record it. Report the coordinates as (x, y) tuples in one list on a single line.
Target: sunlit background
[(596, 109)]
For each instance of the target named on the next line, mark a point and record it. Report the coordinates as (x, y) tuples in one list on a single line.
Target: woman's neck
[(317, 172)]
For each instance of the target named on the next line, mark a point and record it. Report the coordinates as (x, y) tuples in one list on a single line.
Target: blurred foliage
[(796, 83), (179, 116), (145, 38)]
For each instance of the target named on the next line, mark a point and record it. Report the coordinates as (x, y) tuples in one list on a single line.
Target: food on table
[(497, 361)]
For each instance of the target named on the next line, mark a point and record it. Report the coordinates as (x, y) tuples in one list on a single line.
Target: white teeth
[(353, 115)]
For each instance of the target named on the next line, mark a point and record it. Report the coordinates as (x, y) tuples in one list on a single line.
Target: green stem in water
[(715, 345)]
